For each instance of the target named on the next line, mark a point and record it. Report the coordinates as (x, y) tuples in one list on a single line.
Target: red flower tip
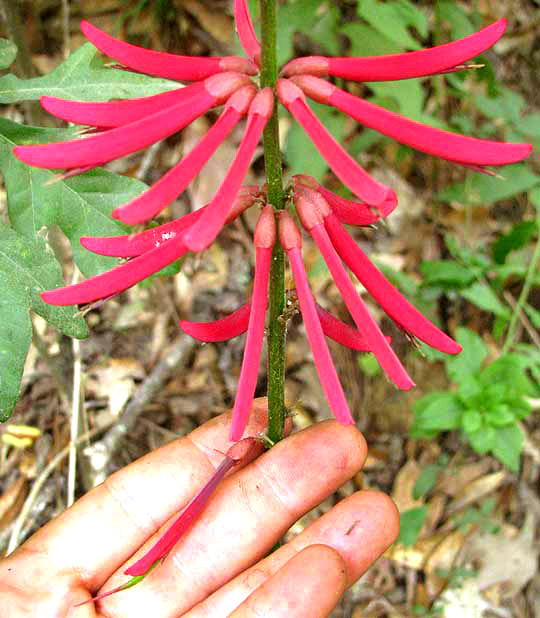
[(263, 103), (441, 59), (220, 330), (310, 65), (306, 181), (265, 232), (221, 86), (235, 63), (317, 89), (289, 234), (241, 99), (307, 210), (288, 92)]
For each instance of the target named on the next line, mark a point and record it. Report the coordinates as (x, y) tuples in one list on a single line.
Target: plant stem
[(274, 179), (534, 264)]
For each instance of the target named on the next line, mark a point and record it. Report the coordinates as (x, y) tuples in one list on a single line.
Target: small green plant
[(486, 405)]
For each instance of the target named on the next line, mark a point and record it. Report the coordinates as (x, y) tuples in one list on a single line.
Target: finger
[(248, 513), (309, 585), (359, 528), (105, 527)]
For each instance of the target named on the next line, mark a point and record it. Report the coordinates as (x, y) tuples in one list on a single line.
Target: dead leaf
[(115, 381), (443, 558), (505, 560), (477, 489), (402, 492)]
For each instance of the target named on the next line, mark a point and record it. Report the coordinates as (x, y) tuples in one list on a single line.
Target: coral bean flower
[(123, 127)]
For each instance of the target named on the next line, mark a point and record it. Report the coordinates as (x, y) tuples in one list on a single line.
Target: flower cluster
[(123, 127)]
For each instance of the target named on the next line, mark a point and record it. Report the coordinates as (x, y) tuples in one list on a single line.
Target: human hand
[(219, 567)]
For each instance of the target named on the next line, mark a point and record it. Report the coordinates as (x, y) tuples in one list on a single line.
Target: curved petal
[(422, 63), (118, 142), (393, 303), (145, 206), (363, 319), (291, 242), (342, 164), (171, 66), (203, 233), (220, 330), (117, 113), (131, 245), (246, 32), (342, 333), (118, 279), (450, 146), (348, 211)]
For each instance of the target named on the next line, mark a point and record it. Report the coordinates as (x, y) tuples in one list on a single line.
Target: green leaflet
[(80, 206), (83, 77), (27, 268)]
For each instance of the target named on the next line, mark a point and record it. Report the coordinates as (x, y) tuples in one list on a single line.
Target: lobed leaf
[(27, 268), (82, 77)]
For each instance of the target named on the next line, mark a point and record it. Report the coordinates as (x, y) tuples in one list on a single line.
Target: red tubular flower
[(171, 66), (342, 164), (456, 148), (307, 207), (333, 240), (291, 241), (237, 322), (246, 33), (157, 255), (204, 231), (127, 126), (128, 138), (347, 211), (265, 238), (440, 59), (175, 181)]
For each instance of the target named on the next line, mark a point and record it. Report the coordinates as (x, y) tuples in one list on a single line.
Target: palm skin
[(222, 566)]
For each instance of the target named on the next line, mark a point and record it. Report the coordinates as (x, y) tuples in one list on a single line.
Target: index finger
[(105, 527)]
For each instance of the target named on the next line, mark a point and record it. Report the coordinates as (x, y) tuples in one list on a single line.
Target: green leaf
[(506, 106), (392, 19), (83, 77), (8, 53), (300, 152), (27, 268), (471, 357), (509, 371), (471, 421), (366, 41), (529, 125), (482, 189), (469, 388), (482, 439), (410, 524), (507, 446), (500, 416), (481, 295), (302, 16), (454, 14), (446, 273), (426, 480), (517, 238), (436, 412), (80, 206)]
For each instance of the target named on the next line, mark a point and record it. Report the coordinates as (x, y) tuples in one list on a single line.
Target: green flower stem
[(534, 265), (274, 179)]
